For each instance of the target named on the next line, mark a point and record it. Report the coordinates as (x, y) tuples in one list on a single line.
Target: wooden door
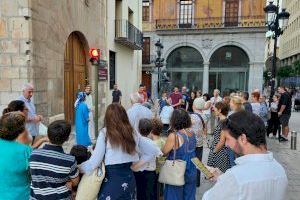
[(147, 80), (74, 74)]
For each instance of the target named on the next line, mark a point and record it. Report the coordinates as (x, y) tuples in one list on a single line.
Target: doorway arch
[(185, 67), (75, 72), (228, 69)]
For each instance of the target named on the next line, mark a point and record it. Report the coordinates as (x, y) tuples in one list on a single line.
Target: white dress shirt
[(255, 177), (136, 113)]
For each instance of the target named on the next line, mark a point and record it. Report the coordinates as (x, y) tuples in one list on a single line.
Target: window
[(112, 69), (146, 6), (146, 50), (185, 13), (231, 13)]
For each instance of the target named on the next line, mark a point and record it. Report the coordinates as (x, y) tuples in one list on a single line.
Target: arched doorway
[(75, 73), (229, 70), (185, 68)]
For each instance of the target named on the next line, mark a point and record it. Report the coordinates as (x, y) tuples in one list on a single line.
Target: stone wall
[(14, 49), (33, 35)]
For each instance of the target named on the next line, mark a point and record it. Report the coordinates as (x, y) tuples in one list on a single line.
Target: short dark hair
[(16, 105), (207, 96), (12, 124), (157, 126), (223, 107), (180, 119), (59, 132), (245, 95), (145, 126), (142, 85), (238, 124), (80, 153)]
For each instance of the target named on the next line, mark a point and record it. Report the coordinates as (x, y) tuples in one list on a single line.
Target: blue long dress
[(186, 152), (82, 124)]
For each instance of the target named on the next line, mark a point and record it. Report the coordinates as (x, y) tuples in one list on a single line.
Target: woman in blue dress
[(82, 120), (185, 143)]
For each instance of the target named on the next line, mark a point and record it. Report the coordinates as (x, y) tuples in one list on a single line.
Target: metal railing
[(128, 34), (211, 22)]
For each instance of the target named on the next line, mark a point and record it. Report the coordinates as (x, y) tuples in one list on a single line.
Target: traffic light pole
[(96, 98)]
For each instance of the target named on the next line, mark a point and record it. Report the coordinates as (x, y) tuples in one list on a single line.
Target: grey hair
[(217, 90), (135, 97), (27, 86)]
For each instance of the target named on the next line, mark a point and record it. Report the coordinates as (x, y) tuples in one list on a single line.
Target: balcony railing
[(128, 35), (211, 22)]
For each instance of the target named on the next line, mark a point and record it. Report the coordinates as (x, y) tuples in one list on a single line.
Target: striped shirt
[(50, 169)]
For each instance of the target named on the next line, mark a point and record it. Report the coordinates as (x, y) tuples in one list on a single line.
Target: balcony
[(128, 35), (211, 22)]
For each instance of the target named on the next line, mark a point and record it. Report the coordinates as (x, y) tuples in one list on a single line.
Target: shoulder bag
[(172, 172), (90, 184)]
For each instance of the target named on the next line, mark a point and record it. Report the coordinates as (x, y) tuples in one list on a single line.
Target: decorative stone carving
[(207, 43)]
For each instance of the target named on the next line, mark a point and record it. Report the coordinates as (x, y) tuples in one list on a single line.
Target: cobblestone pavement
[(290, 160)]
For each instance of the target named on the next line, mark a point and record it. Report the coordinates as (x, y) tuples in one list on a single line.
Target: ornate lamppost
[(159, 63), (277, 23)]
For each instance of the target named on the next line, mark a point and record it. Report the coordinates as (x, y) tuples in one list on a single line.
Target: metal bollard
[(293, 140)]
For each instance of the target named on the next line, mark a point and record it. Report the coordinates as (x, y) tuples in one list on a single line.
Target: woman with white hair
[(199, 120)]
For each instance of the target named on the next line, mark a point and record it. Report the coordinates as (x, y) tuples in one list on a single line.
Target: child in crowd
[(53, 172), (81, 154), (145, 168), (157, 129)]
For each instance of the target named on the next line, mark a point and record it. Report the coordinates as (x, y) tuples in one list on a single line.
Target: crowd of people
[(134, 146)]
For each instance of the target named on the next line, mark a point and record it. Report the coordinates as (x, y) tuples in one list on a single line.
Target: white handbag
[(90, 184), (172, 172)]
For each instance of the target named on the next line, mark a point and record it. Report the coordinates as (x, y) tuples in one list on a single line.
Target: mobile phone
[(200, 166)]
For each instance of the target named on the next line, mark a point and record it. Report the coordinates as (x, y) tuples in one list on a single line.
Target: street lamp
[(277, 23), (159, 62)]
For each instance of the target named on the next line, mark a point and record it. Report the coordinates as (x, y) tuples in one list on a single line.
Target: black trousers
[(273, 124), (199, 153), (146, 185)]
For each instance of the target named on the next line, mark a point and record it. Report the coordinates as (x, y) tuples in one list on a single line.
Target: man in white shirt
[(89, 103), (257, 175), (137, 111)]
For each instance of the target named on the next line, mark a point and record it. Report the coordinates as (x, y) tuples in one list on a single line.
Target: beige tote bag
[(172, 172), (90, 184)]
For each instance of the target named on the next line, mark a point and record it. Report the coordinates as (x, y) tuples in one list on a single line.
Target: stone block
[(19, 27), (7, 97), (9, 72), (3, 28), (19, 60), (5, 85), (9, 46), (5, 60), (17, 84), (25, 47), (9, 8), (40, 84)]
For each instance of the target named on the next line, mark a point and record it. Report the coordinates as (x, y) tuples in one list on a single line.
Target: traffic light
[(94, 56)]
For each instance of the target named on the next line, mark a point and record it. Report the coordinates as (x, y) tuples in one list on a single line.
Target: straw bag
[(172, 172), (90, 184)]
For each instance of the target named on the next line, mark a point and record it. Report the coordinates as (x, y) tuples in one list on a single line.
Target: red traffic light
[(94, 53)]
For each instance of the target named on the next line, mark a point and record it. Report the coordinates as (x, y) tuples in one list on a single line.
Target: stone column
[(205, 78)]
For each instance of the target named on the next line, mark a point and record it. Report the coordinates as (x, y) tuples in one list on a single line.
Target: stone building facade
[(290, 40), (206, 45), (47, 43)]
